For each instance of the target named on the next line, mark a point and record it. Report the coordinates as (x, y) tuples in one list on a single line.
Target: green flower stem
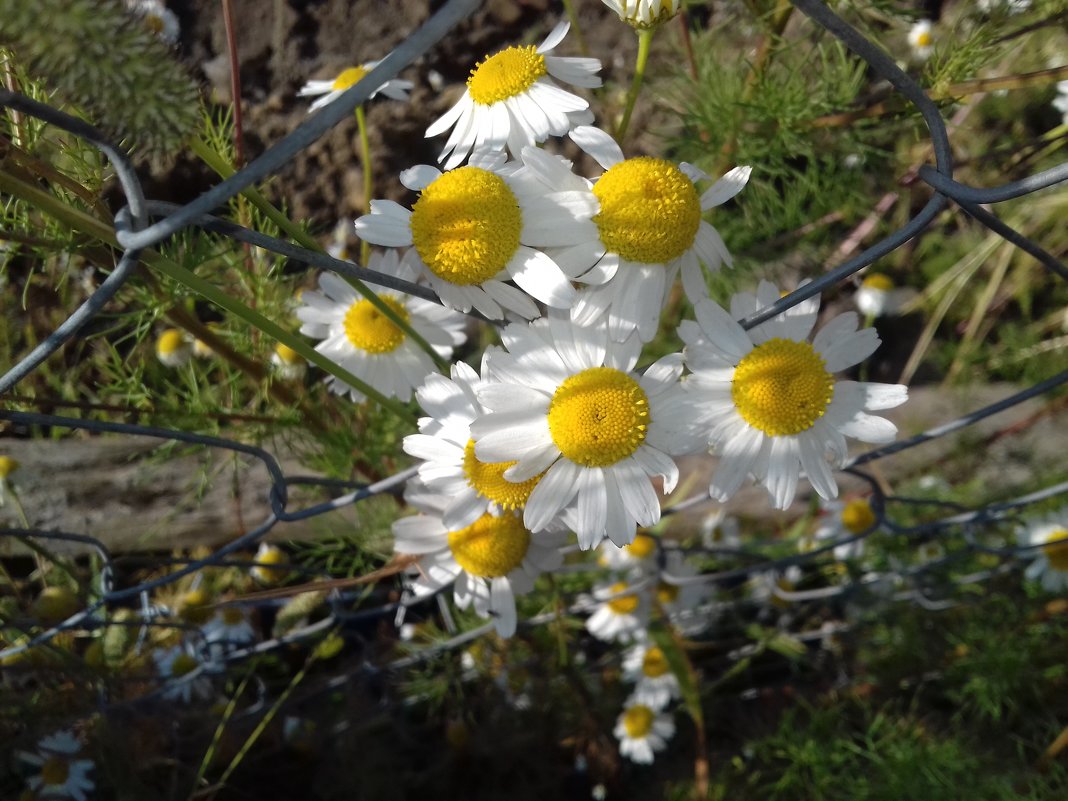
[(645, 40), (368, 178), (302, 238), (80, 221), (572, 17)]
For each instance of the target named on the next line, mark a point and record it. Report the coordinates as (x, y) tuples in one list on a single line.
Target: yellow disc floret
[(642, 547), (55, 771), (369, 330), (1056, 549), (598, 417), (782, 387), (491, 546), (624, 604), (466, 225), (638, 721), (487, 479), (667, 593), (348, 78), (857, 516), (7, 466), (183, 665), (506, 74), (287, 355), (654, 663), (878, 282), (650, 210), (171, 341)]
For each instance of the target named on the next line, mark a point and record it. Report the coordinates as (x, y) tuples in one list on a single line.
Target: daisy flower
[(476, 227), (360, 338), (566, 402), (844, 521), (921, 39), (488, 562), (642, 731), (640, 553), (647, 667), (512, 101), (173, 347), (649, 225), (330, 90), (678, 597), (877, 296), (61, 775), (182, 674), (157, 18), (764, 586), (287, 363), (270, 564), (720, 530), (767, 399), (229, 627), (620, 616), (644, 13), (450, 467), (1050, 565), (930, 551)]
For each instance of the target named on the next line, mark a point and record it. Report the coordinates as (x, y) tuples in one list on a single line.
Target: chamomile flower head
[(641, 553), (1050, 565), (476, 227), (332, 88), (677, 596), (930, 551), (620, 613), (921, 39), (183, 673), (173, 347), (646, 666), (720, 530), (767, 399), (877, 296), (8, 465), (644, 13), (359, 337), (157, 18), (843, 521), (61, 774), (488, 562), (512, 100), (287, 363), (766, 585), (473, 487), (270, 567), (642, 731), (648, 226), (565, 401), (229, 628)]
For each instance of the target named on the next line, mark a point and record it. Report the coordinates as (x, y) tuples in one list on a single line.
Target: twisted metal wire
[(135, 232)]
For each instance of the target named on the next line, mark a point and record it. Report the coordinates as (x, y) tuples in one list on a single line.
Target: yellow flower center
[(782, 387), (650, 210), (55, 771), (878, 281), (466, 225), (348, 78), (55, 604), (154, 22), (170, 341), (857, 516), (183, 664), (491, 546), (193, 606), (638, 721), (923, 39), (233, 615), (666, 593), (642, 547), (287, 354), (1056, 549), (598, 417), (369, 330), (487, 479), (7, 466), (624, 604), (506, 74), (654, 663)]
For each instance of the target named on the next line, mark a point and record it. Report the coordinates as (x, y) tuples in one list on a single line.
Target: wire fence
[(144, 223)]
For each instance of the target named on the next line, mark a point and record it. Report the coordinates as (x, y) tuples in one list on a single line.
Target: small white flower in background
[(332, 89), (566, 402), (647, 668), (62, 774), (157, 18), (644, 13), (642, 731), (8, 465), (338, 247), (1050, 565), (620, 616), (173, 347), (720, 530), (450, 465), (271, 567), (287, 363), (201, 349), (1010, 6), (360, 338), (649, 225), (930, 551), (764, 586), (476, 227), (1060, 101), (766, 400), (228, 629), (511, 100), (921, 39), (877, 296), (842, 521), (176, 667), (640, 553), (680, 598), (488, 562)]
